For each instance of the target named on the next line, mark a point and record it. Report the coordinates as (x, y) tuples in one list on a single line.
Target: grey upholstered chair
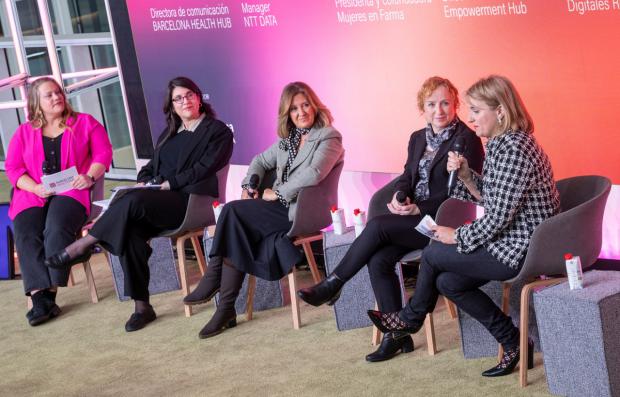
[(313, 204), (451, 212), (577, 229), (199, 214)]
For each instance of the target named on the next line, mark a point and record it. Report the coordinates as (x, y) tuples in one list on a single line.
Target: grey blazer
[(322, 150)]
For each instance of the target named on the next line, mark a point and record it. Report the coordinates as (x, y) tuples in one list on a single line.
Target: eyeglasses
[(190, 96)]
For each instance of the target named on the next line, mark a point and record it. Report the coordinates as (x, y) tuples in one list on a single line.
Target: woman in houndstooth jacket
[(517, 191)]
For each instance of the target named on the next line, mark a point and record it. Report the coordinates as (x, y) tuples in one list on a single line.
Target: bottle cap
[(334, 208), (568, 256), (356, 211), (216, 204)]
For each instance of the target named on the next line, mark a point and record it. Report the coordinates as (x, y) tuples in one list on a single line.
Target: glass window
[(29, 19), (88, 16)]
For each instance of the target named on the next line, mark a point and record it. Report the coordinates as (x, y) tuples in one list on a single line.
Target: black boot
[(225, 316), (509, 361), (77, 252), (209, 284), (44, 308), (391, 345), (143, 315), (327, 291)]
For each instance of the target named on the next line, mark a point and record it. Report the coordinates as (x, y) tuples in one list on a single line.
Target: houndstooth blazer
[(518, 193)]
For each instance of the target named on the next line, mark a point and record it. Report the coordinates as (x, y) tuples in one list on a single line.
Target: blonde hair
[(430, 85), (323, 116), (35, 114), (497, 91)]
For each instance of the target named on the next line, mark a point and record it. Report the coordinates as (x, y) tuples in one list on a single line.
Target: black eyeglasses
[(190, 96)]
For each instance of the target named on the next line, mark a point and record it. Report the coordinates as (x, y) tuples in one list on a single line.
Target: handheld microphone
[(253, 185), (401, 197), (458, 147)]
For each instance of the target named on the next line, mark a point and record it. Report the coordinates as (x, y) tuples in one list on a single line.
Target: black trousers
[(43, 231), (458, 277), (127, 226), (383, 242)]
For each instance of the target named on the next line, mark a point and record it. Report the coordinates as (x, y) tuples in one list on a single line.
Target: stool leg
[(314, 269), (376, 334), (450, 307), (249, 306), (90, 280), (292, 287), (183, 272), (429, 329), (200, 256)]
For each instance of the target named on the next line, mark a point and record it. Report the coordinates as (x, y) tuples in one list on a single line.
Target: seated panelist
[(517, 191), (251, 235), (189, 152), (54, 138), (424, 186)]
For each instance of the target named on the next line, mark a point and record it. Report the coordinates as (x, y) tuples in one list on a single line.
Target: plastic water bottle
[(217, 209), (574, 271), (338, 221), (359, 221)]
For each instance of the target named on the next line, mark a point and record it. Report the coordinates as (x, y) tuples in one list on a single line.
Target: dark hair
[(172, 119)]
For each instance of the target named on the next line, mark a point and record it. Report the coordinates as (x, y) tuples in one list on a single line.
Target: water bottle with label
[(574, 271)]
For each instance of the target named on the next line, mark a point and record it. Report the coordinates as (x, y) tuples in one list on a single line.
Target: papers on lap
[(425, 225), (59, 182), (120, 191)]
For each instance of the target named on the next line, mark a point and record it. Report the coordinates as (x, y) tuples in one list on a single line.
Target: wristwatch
[(92, 178)]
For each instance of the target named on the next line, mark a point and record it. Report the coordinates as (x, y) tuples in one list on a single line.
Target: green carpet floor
[(86, 352)]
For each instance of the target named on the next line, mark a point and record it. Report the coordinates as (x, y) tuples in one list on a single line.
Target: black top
[(169, 155), (208, 150), (51, 148)]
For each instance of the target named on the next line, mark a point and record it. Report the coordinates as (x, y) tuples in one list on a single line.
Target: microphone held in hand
[(253, 185), (458, 147), (401, 197)]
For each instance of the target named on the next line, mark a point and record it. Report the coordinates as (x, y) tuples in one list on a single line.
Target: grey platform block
[(580, 335), (164, 276), (476, 341), (356, 296), (267, 295)]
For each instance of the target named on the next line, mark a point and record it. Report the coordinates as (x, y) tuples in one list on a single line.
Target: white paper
[(59, 182), (120, 191), (425, 225)]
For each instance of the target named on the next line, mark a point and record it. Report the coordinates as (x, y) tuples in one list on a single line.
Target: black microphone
[(253, 185), (401, 197), (458, 147)]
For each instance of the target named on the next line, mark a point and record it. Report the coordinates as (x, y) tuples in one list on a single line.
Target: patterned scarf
[(433, 141), (291, 145)]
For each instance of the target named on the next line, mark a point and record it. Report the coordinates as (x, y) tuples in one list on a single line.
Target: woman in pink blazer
[(54, 138)]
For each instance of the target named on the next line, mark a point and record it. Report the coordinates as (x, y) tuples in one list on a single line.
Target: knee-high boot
[(208, 285), (225, 316)]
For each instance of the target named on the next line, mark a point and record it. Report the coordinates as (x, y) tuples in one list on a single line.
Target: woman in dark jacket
[(188, 154), (518, 193), (424, 182)]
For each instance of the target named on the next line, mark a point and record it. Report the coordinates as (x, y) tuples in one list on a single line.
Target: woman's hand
[(444, 234), (139, 184), (165, 185), (40, 191), (82, 182), (458, 162), (269, 195), (402, 209)]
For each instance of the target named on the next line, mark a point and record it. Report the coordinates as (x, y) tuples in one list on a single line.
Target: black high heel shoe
[(391, 345), (509, 361), (327, 291), (62, 260), (390, 322)]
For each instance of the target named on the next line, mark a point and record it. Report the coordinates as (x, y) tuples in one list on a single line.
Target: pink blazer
[(84, 142)]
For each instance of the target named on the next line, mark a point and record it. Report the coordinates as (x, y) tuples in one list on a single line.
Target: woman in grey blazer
[(251, 232)]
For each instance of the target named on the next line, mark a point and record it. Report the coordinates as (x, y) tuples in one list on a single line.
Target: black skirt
[(252, 235)]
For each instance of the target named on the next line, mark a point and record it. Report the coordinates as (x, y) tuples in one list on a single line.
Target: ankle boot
[(43, 308), (510, 359), (209, 284), (391, 345), (225, 316), (327, 291)]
